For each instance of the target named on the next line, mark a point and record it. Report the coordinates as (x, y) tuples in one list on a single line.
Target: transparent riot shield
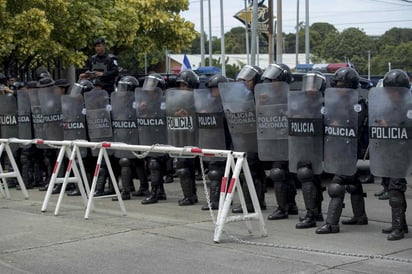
[(124, 121), (272, 123), (151, 116), (74, 119), (341, 131), (305, 129), (8, 118), (98, 116), (181, 118), (240, 112), (210, 117), (51, 108), (390, 124), (37, 115), (24, 116)]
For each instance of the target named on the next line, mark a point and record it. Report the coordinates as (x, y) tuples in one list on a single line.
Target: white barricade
[(235, 163)]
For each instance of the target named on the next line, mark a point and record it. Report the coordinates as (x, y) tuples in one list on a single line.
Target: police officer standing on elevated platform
[(102, 65)]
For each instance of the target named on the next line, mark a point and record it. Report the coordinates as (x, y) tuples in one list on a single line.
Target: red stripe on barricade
[(196, 150), (232, 185), (40, 141), (223, 185), (106, 144), (96, 171), (69, 166), (55, 167), (209, 154)]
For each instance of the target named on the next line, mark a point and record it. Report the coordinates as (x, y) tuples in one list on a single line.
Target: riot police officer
[(306, 143), (343, 111), (151, 115), (272, 102), (240, 110), (390, 107), (213, 133), (102, 65), (125, 130)]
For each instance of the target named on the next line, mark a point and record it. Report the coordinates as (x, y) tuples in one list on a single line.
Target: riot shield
[(124, 121), (305, 129), (240, 111), (39, 130), (98, 117), (340, 148), (24, 116), (390, 124), (210, 118), (74, 120), (51, 108), (151, 116), (272, 123), (181, 118), (8, 118)]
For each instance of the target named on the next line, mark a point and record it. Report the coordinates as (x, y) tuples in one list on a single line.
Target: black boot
[(126, 178), (214, 193), (57, 188), (311, 202), (337, 194), (101, 181), (215, 177), (248, 201), (75, 191), (187, 183), (397, 202), (153, 197), (142, 176), (358, 208), (281, 193)]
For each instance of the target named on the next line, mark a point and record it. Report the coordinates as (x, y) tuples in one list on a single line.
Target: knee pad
[(183, 172), (215, 175), (277, 174), (124, 162), (336, 190), (304, 174), (154, 164)]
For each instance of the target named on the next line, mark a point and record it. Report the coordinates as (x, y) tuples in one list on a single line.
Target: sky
[(374, 17)]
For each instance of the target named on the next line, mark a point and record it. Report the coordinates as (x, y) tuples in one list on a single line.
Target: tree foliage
[(61, 32)]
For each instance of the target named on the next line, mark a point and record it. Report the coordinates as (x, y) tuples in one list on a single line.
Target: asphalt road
[(167, 238)]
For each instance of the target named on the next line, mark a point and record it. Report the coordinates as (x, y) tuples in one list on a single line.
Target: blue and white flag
[(185, 64)]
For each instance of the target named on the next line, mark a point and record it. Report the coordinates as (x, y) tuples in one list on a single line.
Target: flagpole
[(202, 36)]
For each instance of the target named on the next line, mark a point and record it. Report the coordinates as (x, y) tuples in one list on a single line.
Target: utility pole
[(279, 36), (307, 45), (202, 36), (254, 32), (270, 9)]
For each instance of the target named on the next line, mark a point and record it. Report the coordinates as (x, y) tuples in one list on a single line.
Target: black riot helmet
[(396, 78), (127, 83), (250, 73), (81, 87), (348, 76), (3, 78), (153, 81), (215, 80), (189, 78), (277, 72), (314, 81)]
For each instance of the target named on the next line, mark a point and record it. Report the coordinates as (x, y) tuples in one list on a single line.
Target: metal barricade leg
[(53, 178), (114, 181)]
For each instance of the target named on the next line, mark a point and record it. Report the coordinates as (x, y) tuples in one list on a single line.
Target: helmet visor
[(246, 73), (272, 72), (313, 82), (150, 83)]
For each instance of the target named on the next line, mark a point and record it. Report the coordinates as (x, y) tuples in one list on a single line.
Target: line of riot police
[(296, 135)]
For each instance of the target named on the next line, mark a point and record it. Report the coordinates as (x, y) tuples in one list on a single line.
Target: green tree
[(61, 32)]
